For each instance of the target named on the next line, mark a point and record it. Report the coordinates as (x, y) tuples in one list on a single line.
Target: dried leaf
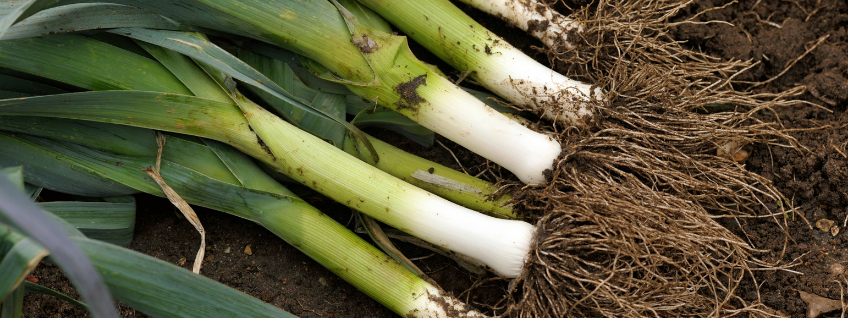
[(817, 305)]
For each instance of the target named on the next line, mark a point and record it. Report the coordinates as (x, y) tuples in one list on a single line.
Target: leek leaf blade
[(39, 289), (18, 257), (111, 222), (88, 16), (204, 51), (17, 11), (87, 63)]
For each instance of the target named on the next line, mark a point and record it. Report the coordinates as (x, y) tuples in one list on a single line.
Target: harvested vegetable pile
[(648, 159)]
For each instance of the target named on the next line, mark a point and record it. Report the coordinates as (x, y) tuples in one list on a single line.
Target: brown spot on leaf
[(365, 43)]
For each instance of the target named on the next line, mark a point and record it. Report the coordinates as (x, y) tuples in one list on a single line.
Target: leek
[(469, 47), (260, 199), (378, 67), (544, 23), (227, 124), (501, 244)]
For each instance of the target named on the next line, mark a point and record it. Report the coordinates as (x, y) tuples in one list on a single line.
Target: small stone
[(182, 261), (227, 250), (837, 269), (322, 281), (825, 225), (834, 230), (247, 250)]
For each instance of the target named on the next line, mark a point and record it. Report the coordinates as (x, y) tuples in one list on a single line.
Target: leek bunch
[(372, 63), (172, 111), (182, 83), (209, 174)]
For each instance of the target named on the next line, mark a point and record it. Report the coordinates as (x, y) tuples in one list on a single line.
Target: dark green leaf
[(38, 289), (17, 210), (87, 63), (88, 16)]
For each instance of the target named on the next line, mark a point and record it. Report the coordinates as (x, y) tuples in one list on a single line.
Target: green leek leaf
[(111, 222), (38, 289), (18, 257), (87, 63), (88, 16)]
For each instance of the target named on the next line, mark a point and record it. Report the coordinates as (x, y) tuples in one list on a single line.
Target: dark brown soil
[(773, 32)]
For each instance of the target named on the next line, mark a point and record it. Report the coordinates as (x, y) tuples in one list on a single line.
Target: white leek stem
[(501, 244), (545, 24), (435, 304), (516, 77), (465, 44), (485, 131)]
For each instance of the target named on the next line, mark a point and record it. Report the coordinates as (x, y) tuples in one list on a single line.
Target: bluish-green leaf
[(13, 305), (38, 289), (14, 11), (126, 140), (18, 257), (16, 210), (111, 222), (88, 16), (87, 63)]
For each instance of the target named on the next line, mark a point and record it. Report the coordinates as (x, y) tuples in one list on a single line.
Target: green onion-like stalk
[(189, 167), (378, 67), (445, 182), (500, 244), (465, 44), (436, 103)]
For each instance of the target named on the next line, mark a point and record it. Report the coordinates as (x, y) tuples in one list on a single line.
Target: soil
[(772, 32), (775, 33)]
